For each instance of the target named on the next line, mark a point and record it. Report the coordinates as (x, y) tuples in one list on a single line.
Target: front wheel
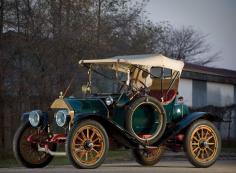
[(26, 152), (87, 145), (148, 157), (202, 144)]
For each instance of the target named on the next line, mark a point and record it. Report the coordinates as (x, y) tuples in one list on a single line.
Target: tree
[(41, 42), (185, 44)]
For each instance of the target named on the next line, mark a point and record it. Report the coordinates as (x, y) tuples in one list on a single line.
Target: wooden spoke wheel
[(202, 144), (148, 157), (87, 145), (26, 152)]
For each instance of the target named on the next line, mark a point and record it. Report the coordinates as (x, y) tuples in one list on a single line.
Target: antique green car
[(142, 112)]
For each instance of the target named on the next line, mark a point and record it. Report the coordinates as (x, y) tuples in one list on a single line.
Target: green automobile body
[(144, 114)]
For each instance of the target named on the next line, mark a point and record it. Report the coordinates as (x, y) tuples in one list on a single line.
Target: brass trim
[(62, 104)]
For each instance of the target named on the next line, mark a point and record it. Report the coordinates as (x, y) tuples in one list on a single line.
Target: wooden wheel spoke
[(195, 139), (91, 137), (209, 149), (97, 145), (195, 144), (81, 155), (79, 139), (83, 135), (206, 152), (87, 130), (198, 153), (95, 140), (202, 154), (206, 134), (209, 138), (198, 135), (196, 149), (77, 150), (94, 150), (78, 145), (86, 156), (211, 143)]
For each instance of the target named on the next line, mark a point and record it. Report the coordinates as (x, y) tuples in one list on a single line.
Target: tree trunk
[(17, 15), (1, 18), (2, 116), (2, 120), (98, 26)]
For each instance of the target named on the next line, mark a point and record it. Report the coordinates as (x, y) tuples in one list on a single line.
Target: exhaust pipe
[(52, 153)]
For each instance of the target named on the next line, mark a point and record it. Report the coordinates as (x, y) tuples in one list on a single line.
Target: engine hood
[(81, 106)]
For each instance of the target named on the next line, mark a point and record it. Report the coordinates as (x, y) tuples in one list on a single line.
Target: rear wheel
[(87, 145), (146, 119), (148, 157), (26, 152), (202, 143)]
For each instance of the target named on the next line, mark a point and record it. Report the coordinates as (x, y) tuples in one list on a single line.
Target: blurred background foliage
[(41, 42)]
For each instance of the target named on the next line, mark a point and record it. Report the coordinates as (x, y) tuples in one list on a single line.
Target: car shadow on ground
[(156, 166)]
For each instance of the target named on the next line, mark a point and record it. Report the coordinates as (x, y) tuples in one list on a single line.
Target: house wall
[(185, 90), (199, 93), (219, 94), (199, 96)]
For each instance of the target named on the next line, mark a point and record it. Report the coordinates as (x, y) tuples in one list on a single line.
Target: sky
[(215, 18)]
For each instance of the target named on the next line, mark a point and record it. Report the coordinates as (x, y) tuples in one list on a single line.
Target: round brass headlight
[(62, 117), (35, 118), (109, 100)]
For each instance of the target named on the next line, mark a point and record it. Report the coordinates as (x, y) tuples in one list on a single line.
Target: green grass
[(8, 162)]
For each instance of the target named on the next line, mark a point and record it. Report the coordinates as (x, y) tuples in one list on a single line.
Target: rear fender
[(190, 118), (186, 122)]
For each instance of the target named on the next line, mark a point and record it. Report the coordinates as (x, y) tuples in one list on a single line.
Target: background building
[(204, 86)]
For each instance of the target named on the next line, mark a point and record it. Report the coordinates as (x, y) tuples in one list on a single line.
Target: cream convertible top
[(151, 60)]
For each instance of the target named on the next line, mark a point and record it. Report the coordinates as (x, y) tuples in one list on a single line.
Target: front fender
[(25, 117), (112, 128), (88, 115)]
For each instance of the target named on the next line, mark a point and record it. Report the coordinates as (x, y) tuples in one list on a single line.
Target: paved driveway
[(221, 166)]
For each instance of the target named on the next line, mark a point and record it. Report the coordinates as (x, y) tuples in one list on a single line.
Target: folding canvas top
[(151, 60)]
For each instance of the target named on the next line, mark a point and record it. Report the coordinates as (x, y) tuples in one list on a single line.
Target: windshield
[(109, 79), (104, 79)]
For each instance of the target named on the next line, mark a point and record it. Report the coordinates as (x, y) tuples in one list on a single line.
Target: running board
[(123, 136), (52, 153)]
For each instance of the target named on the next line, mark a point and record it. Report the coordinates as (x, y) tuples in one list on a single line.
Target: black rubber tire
[(192, 159), (70, 137), (18, 154), (140, 157), (132, 107)]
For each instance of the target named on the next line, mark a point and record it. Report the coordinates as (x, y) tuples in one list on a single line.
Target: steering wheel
[(132, 81), (131, 85)]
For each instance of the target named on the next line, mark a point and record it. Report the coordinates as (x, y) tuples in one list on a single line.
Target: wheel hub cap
[(203, 144), (88, 145)]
